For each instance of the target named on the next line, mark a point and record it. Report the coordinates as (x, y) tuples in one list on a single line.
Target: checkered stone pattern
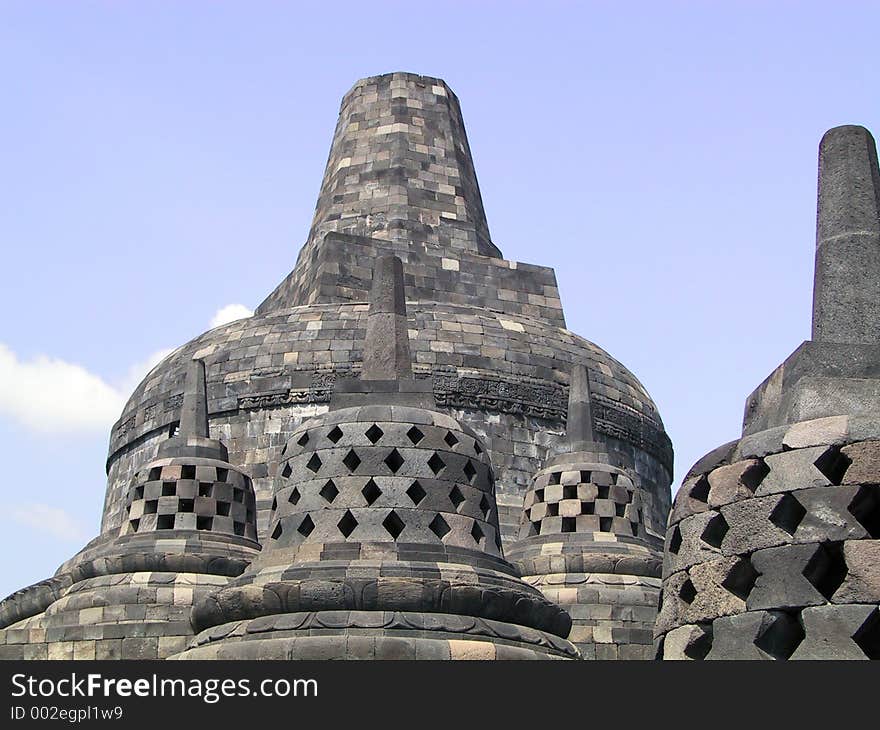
[(582, 498), (775, 554), (503, 376), (191, 494), (385, 473), (583, 543)]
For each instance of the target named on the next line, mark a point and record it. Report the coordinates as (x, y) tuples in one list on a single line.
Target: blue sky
[(161, 160)]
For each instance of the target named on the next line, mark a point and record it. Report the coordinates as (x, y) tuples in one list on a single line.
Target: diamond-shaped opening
[(477, 533), (371, 492), (294, 496), (469, 471), (274, 504), (833, 463), (700, 490), (374, 433), (329, 491), (485, 505), (415, 435), (416, 492), (223, 509), (569, 524), (740, 579), (539, 495), (868, 635), (188, 472), (393, 524), (827, 569), (303, 440), (352, 461), (588, 508), (222, 474), (165, 522), (347, 524), (134, 525), (306, 526), (534, 528), (782, 636), (865, 507), (555, 477), (477, 448), (335, 434), (185, 505), (605, 524), (314, 464), (204, 523), (700, 646), (276, 533), (286, 471), (675, 540), (450, 439), (752, 477), (715, 530), (687, 592), (169, 489), (394, 461), (151, 506), (788, 513), (436, 463), (456, 497), (155, 474), (439, 527)]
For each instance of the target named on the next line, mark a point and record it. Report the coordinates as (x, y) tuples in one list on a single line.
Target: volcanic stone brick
[(798, 575)]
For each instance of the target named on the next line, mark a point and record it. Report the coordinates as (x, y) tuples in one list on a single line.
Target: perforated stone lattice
[(582, 500), (377, 480), (196, 495), (775, 558)]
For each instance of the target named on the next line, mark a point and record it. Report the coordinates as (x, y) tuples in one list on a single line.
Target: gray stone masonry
[(384, 534), (773, 541), (582, 541)]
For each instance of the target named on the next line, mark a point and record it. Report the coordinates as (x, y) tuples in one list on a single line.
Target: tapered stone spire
[(772, 543), (580, 414), (846, 305), (400, 168), (194, 413), (384, 540), (386, 349), (192, 437)]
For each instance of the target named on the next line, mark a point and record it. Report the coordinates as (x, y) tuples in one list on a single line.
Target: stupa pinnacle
[(478, 341)]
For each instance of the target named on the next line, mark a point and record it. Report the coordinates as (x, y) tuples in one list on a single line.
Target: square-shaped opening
[(188, 472), (151, 506), (238, 495), (223, 509), (185, 505), (204, 523), (169, 489), (205, 489), (165, 522)]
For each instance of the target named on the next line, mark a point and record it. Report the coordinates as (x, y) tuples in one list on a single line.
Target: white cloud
[(50, 395), (230, 313), (51, 520), (47, 394)]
